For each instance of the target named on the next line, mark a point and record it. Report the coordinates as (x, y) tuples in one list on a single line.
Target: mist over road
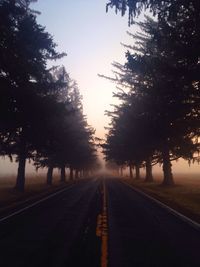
[(97, 223)]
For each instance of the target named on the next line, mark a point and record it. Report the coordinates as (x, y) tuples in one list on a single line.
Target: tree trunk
[(71, 175), (20, 183), (130, 171), (137, 171), (81, 174), (76, 174), (62, 174), (118, 171), (167, 168), (149, 175), (121, 171), (50, 175)]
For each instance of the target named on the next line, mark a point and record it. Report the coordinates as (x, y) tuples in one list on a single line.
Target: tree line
[(158, 118), (41, 114)]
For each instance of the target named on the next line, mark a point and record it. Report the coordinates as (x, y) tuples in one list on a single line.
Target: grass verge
[(35, 187)]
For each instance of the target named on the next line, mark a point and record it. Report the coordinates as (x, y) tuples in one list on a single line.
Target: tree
[(67, 140), (173, 90), (169, 10), (163, 92), (127, 141), (25, 48)]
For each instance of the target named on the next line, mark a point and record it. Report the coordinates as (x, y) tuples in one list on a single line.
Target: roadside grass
[(183, 197), (35, 186)]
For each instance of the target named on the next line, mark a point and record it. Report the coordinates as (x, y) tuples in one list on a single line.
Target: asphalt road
[(58, 232), (70, 230), (141, 233)]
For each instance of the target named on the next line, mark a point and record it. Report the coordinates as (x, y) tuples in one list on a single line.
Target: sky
[(91, 38)]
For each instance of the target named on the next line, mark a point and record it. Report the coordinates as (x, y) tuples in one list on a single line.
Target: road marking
[(98, 228), (34, 204), (184, 218), (104, 245), (102, 230)]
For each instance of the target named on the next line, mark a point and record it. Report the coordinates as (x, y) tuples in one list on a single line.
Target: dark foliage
[(160, 114), (37, 112)]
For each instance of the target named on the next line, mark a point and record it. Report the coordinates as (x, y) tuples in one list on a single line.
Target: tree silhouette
[(24, 51), (168, 10), (67, 140), (163, 93)]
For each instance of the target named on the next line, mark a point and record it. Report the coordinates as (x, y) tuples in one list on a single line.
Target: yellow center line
[(104, 237), (102, 230)]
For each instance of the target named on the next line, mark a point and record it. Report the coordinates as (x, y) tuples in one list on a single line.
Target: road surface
[(141, 233), (55, 232), (97, 224)]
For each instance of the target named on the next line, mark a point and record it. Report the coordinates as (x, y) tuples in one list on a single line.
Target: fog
[(181, 166)]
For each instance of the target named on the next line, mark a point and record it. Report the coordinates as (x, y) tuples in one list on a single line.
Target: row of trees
[(41, 116), (159, 88)]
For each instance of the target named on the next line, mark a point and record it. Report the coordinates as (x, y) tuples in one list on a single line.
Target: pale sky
[(91, 38)]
